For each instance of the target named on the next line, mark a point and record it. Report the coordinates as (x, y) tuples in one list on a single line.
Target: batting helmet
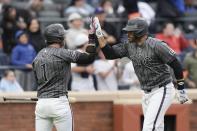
[(138, 26), (54, 33)]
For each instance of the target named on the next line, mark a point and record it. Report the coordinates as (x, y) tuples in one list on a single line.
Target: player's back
[(52, 73)]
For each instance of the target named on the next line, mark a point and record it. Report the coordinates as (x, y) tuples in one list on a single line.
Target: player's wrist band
[(99, 33), (92, 38), (180, 84)]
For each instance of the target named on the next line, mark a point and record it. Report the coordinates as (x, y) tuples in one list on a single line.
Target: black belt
[(161, 85)]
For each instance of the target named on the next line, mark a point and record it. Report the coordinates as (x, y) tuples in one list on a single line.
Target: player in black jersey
[(52, 71), (151, 59)]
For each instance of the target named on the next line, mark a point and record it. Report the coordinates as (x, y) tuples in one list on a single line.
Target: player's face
[(130, 36)]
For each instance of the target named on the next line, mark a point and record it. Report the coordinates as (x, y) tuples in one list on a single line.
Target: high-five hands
[(95, 26)]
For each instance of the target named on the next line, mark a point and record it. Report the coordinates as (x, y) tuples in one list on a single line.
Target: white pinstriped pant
[(53, 111), (155, 105)]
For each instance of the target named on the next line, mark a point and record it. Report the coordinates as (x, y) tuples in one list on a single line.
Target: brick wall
[(89, 116), (193, 116), (16, 117)]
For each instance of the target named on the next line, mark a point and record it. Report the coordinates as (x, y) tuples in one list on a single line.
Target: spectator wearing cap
[(76, 27), (79, 6), (109, 30), (82, 79), (23, 55)]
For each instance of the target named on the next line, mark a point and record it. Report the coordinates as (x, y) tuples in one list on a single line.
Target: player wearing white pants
[(155, 105), (52, 70), (151, 61), (53, 111)]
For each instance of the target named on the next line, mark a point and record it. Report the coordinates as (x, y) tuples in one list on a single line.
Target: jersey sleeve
[(70, 55), (120, 50), (164, 52)]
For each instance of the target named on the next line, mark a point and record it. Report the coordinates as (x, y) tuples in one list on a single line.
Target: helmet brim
[(127, 28)]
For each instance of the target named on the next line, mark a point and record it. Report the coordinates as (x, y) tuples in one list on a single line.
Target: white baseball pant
[(155, 105), (53, 111)]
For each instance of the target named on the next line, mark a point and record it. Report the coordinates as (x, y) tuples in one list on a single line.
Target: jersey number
[(44, 71)]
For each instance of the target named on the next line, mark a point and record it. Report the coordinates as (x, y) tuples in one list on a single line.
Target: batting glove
[(95, 25), (182, 96)]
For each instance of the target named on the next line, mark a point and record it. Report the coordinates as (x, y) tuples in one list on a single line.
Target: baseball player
[(151, 60), (52, 71)]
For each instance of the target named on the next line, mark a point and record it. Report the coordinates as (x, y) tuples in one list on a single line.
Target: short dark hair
[(7, 72)]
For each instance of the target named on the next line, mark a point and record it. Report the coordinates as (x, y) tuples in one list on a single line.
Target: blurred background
[(22, 23)]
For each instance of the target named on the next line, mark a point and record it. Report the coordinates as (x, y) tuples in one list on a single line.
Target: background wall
[(92, 112)]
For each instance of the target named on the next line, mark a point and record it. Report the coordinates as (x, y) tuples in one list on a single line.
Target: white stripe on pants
[(53, 111), (155, 105)]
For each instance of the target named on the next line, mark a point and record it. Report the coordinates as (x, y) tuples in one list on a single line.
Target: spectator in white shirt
[(105, 71), (129, 77), (82, 79), (76, 27), (9, 84)]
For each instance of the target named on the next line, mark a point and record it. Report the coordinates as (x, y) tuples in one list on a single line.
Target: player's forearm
[(178, 72), (102, 42), (109, 52), (78, 69)]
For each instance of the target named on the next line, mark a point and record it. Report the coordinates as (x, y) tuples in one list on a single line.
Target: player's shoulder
[(153, 42)]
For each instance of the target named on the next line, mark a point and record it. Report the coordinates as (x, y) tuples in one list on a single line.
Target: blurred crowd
[(21, 37)]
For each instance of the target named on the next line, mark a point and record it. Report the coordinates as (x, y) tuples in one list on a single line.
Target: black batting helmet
[(54, 33), (138, 26)]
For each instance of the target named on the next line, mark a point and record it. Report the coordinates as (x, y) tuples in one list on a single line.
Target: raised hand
[(96, 27)]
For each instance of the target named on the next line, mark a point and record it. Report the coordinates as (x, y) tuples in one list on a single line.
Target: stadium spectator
[(176, 41), (76, 27), (82, 79), (106, 73), (190, 8), (170, 8), (35, 36), (190, 64), (108, 8), (9, 26), (79, 6), (109, 30), (9, 84), (131, 8), (23, 55), (146, 11), (2, 3), (34, 7), (129, 77)]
